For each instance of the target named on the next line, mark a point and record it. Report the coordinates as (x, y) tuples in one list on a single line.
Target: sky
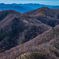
[(46, 2)]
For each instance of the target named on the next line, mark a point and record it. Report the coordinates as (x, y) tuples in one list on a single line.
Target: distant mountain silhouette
[(23, 7)]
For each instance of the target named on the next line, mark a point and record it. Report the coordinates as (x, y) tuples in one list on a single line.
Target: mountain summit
[(45, 15)]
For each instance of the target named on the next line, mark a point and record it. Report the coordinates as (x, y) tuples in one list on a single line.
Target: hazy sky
[(46, 2)]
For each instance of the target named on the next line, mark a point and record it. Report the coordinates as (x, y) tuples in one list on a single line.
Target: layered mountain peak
[(43, 11), (45, 15), (5, 13)]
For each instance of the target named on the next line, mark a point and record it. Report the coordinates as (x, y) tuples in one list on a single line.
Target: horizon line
[(29, 3), (54, 3)]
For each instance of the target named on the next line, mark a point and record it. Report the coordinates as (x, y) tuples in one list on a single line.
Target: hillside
[(16, 28), (45, 15), (30, 35), (45, 44)]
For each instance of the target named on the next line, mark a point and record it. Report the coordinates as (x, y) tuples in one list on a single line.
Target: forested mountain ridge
[(29, 35), (16, 28), (45, 15)]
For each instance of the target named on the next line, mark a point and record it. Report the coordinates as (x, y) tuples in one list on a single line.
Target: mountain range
[(24, 7), (29, 35)]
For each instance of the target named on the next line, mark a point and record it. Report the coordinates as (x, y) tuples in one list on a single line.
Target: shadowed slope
[(16, 28), (43, 42)]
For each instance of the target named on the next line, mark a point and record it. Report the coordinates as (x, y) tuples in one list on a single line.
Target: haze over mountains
[(29, 35), (24, 7)]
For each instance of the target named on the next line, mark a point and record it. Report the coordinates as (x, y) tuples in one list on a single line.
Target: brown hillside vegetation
[(46, 42), (16, 28), (45, 15), (31, 35)]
